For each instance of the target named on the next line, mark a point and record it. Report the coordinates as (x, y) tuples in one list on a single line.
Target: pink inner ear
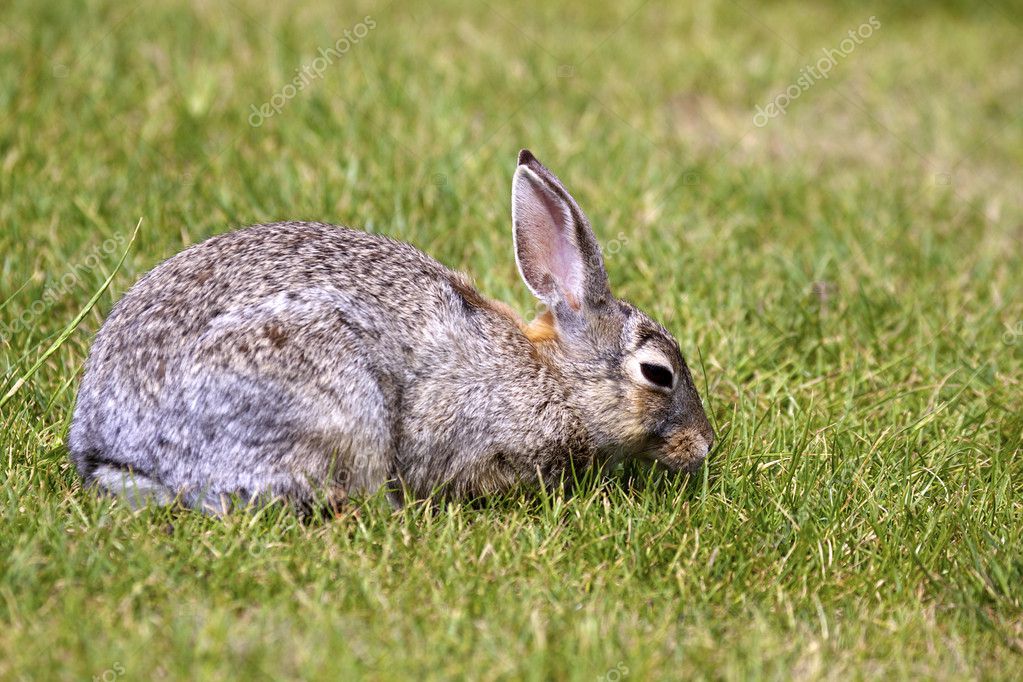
[(547, 241), (566, 267)]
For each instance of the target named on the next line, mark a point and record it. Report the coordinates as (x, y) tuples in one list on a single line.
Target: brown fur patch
[(508, 312), (470, 297), (204, 275), (541, 328), (276, 334)]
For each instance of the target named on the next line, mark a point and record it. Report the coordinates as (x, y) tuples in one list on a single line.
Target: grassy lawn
[(844, 276)]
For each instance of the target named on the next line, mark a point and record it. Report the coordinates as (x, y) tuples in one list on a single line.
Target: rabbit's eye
[(659, 375)]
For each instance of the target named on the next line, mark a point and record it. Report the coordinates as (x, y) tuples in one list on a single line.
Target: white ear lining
[(552, 246), (523, 178)]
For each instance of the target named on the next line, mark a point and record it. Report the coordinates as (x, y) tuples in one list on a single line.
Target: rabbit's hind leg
[(281, 400)]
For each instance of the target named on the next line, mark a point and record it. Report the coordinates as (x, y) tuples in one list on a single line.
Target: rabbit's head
[(625, 373)]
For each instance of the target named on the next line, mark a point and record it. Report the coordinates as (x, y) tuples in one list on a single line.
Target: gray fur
[(305, 362)]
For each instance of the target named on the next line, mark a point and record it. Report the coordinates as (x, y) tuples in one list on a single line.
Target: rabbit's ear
[(555, 249)]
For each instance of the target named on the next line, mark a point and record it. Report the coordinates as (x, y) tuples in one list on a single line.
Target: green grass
[(845, 280)]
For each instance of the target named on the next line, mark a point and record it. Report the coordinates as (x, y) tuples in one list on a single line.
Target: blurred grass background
[(845, 281)]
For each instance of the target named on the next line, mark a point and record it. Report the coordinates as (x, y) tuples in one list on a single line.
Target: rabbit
[(308, 363)]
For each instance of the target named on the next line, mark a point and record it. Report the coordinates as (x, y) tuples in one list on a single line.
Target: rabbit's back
[(224, 357), (389, 289)]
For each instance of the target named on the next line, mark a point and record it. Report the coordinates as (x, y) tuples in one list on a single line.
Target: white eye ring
[(651, 368)]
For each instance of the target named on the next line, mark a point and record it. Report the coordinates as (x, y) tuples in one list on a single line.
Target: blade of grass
[(71, 326)]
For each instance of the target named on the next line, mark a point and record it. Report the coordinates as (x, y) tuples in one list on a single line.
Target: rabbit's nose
[(686, 449), (703, 448)]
